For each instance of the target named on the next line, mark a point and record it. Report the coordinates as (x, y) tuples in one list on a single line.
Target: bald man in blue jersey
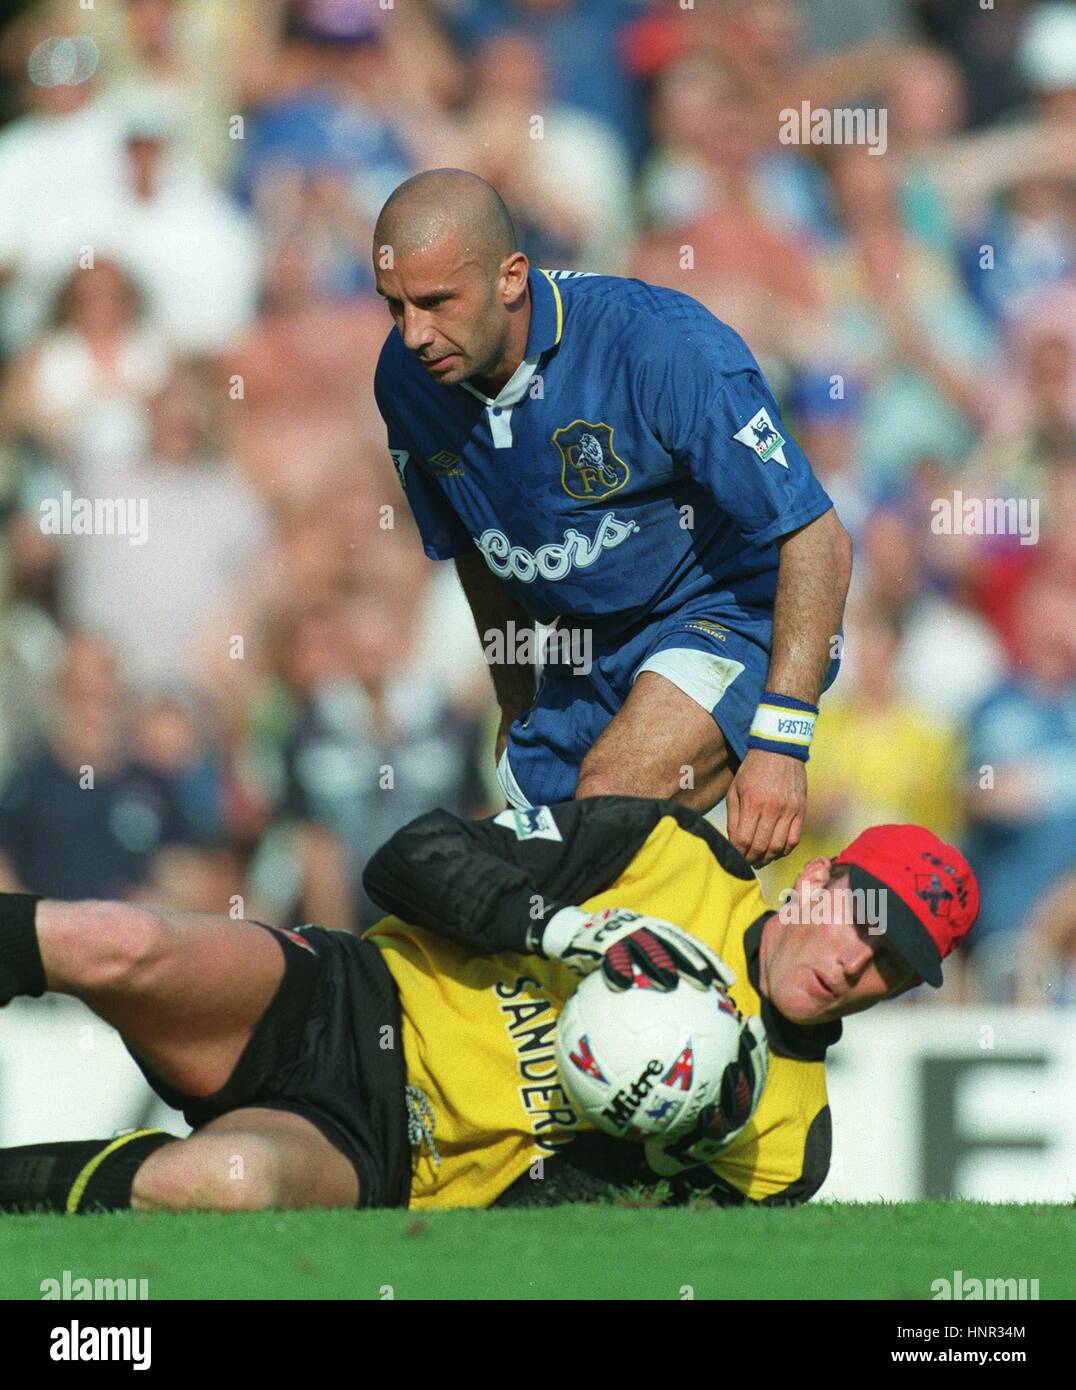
[(605, 456)]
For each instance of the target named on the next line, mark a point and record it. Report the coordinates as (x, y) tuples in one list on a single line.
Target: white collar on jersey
[(513, 390)]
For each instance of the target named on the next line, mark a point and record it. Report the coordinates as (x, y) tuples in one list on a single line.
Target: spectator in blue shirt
[(81, 819), (324, 154), (1022, 775), (583, 42)]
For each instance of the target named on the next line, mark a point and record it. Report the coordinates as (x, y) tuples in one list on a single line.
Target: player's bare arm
[(768, 796)]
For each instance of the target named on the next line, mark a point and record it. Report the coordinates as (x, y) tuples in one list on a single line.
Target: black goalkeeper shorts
[(320, 1051)]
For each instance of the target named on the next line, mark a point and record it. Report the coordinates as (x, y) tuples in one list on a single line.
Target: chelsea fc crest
[(589, 470)]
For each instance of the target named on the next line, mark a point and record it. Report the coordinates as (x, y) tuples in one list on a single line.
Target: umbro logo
[(445, 465), (442, 464)]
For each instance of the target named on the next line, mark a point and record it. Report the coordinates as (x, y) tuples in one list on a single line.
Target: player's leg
[(247, 1160), (260, 1140), (185, 990), (661, 743)]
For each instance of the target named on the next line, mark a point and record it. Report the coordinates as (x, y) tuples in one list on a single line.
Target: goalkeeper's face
[(460, 316), (824, 955)]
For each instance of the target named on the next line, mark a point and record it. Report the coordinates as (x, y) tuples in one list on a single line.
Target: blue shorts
[(722, 671)]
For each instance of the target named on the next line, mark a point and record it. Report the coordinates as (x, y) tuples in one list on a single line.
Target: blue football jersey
[(635, 462)]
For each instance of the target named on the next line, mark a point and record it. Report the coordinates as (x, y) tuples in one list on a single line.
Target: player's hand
[(766, 805), (719, 1124), (626, 944)]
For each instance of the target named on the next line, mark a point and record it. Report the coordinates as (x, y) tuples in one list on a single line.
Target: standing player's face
[(448, 312), (824, 965)]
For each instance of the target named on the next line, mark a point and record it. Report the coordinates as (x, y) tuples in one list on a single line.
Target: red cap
[(936, 895)]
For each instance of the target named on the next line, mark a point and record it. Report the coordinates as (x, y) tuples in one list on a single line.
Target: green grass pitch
[(824, 1251)]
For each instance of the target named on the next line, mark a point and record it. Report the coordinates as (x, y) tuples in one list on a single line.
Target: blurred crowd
[(267, 677)]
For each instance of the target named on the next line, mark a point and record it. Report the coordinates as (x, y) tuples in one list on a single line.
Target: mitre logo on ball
[(642, 1063)]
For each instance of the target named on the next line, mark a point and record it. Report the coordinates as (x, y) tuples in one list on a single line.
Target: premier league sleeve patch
[(536, 823), (763, 438)]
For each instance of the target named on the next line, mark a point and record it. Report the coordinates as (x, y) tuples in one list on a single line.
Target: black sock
[(78, 1176), (21, 969)]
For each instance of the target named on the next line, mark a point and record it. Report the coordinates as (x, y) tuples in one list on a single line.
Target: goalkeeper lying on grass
[(416, 1067)]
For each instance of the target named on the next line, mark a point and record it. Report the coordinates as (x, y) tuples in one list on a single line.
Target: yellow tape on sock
[(82, 1181)]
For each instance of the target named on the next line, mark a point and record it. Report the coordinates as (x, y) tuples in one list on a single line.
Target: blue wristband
[(783, 724)]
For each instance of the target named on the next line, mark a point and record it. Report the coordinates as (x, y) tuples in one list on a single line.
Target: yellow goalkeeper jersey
[(485, 1099)]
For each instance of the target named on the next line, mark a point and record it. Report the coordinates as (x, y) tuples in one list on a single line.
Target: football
[(641, 1064)]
